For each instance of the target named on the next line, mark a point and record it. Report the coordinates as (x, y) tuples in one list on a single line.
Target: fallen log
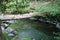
[(18, 16)]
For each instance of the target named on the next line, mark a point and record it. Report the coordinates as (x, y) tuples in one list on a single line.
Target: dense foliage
[(16, 6), (52, 9)]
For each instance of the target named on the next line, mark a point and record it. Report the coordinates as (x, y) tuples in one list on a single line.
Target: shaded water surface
[(33, 30)]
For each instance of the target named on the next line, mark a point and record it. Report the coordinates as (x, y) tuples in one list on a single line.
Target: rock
[(33, 18), (9, 29), (8, 22), (6, 25), (11, 35), (58, 25), (11, 21)]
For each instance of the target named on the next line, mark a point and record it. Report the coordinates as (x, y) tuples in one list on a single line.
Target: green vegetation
[(23, 6), (52, 9), (6, 37), (16, 6)]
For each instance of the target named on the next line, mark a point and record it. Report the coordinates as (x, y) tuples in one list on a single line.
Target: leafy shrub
[(14, 6), (52, 9)]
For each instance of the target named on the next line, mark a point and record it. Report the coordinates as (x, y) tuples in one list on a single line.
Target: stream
[(33, 30), (31, 34)]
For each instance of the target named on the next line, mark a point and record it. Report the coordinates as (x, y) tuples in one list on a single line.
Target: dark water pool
[(33, 30)]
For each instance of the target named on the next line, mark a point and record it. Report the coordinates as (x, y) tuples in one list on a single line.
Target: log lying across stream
[(18, 16)]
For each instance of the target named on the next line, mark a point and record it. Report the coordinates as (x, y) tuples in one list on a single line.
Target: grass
[(6, 37)]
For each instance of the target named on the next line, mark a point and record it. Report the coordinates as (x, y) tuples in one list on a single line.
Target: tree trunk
[(0, 32)]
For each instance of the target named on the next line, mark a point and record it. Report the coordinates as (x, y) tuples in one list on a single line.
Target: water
[(32, 30), (31, 33)]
